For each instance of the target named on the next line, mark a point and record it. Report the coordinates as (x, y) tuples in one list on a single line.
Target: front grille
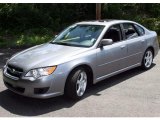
[(14, 71), (18, 89)]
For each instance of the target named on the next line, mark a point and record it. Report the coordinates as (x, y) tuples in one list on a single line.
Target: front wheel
[(76, 84), (147, 59)]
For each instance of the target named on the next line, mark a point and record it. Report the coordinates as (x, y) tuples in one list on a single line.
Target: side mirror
[(105, 42)]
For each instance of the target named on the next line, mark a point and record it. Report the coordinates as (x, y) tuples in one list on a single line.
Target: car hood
[(44, 55)]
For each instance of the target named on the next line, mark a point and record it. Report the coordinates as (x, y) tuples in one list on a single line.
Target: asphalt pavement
[(135, 93)]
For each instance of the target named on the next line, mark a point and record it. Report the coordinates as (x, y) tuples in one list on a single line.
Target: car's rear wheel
[(147, 59), (76, 84)]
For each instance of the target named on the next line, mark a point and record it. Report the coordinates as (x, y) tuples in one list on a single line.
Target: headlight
[(36, 73)]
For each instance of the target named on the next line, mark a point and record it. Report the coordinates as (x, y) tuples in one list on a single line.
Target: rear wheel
[(76, 84), (147, 59)]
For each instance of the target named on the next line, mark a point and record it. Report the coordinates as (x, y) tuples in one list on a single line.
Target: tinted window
[(140, 29), (113, 33), (130, 31)]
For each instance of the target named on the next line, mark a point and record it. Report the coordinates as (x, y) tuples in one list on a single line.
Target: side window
[(130, 31), (114, 33), (140, 30)]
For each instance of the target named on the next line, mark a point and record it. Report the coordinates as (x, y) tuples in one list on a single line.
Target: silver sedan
[(83, 54)]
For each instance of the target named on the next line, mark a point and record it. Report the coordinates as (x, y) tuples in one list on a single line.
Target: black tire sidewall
[(70, 88)]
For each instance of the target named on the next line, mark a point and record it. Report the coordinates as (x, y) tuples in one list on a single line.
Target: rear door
[(135, 43)]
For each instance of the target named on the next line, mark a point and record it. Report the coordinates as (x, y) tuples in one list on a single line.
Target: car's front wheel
[(147, 59), (76, 84)]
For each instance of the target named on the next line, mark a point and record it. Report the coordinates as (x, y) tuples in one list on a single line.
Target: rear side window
[(130, 31), (140, 30)]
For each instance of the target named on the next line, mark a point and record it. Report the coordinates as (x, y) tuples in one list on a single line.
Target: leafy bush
[(151, 23), (30, 24)]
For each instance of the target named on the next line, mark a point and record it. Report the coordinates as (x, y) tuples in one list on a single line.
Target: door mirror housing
[(105, 42)]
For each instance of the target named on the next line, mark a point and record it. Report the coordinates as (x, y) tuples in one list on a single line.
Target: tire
[(76, 84), (147, 59)]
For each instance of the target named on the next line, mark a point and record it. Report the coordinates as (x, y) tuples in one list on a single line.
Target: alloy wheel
[(81, 83), (148, 58)]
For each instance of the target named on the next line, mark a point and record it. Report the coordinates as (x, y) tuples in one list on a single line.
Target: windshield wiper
[(68, 44), (61, 43)]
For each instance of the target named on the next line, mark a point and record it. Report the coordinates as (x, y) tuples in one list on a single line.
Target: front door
[(111, 58)]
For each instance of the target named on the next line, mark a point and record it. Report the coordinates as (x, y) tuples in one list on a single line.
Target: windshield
[(79, 35)]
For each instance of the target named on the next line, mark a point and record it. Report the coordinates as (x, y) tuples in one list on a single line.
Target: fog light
[(40, 90)]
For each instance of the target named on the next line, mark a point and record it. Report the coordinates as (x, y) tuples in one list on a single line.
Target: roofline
[(104, 22)]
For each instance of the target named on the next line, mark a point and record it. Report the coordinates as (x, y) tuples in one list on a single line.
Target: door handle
[(142, 41), (123, 46)]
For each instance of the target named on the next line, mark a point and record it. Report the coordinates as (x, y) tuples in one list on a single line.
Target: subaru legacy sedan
[(83, 54)]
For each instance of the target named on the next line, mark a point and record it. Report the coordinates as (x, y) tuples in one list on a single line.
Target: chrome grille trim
[(14, 71)]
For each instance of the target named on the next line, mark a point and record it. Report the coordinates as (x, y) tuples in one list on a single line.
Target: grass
[(25, 39)]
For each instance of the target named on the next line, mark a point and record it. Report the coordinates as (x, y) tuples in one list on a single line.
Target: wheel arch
[(89, 72), (152, 48)]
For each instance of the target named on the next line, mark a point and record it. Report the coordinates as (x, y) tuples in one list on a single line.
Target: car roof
[(104, 22)]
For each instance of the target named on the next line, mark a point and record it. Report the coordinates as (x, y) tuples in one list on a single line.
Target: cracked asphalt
[(135, 93)]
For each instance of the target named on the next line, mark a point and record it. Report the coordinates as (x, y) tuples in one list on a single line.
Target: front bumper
[(44, 87)]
